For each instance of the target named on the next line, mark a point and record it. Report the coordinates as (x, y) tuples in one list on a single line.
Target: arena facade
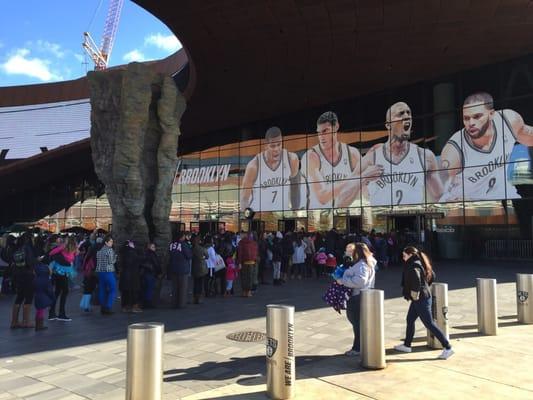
[(380, 124)]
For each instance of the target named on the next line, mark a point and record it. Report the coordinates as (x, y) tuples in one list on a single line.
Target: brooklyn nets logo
[(445, 313), (522, 296), (271, 347)]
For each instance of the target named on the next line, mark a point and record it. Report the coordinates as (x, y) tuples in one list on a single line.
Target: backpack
[(19, 258)]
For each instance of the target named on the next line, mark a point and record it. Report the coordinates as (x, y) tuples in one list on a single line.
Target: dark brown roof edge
[(46, 156), (75, 89)]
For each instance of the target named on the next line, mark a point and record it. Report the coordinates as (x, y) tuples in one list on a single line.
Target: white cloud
[(48, 47), (78, 57), (168, 43), (20, 63), (134, 55)]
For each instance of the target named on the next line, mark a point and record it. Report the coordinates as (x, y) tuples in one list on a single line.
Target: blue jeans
[(107, 289), (149, 284), (353, 312), (422, 308)]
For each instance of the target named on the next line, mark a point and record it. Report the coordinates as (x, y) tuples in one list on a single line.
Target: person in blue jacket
[(179, 269), (44, 294)]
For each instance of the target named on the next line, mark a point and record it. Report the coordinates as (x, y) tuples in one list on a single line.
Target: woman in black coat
[(130, 277), (417, 277), (150, 272)]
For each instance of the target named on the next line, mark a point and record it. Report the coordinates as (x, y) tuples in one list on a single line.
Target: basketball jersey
[(402, 182), (483, 171), (331, 173), (272, 186)]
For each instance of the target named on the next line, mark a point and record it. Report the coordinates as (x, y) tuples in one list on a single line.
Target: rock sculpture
[(135, 116)]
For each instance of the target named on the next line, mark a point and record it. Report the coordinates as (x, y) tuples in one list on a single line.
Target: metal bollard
[(372, 329), (280, 351), (487, 308), (144, 374), (524, 289), (439, 311)]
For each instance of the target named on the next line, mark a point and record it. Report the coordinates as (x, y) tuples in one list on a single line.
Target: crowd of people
[(41, 270)]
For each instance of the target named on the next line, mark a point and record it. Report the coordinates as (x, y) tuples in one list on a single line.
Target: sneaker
[(402, 348), (52, 317), (446, 353), (64, 318), (352, 353)]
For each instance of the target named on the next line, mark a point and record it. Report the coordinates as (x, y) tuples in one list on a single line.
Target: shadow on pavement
[(256, 366), (305, 295)]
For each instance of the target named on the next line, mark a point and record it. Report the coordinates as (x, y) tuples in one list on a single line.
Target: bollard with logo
[(144, 361), (524, 290), (487, 306), (280, 351), (439, 311)]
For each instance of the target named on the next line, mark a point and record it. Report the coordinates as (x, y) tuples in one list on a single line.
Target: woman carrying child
[(361, 275)]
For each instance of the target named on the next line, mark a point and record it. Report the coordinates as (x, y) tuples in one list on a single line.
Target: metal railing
[(514, 248)]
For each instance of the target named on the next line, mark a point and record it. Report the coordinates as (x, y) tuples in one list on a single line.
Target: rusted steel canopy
[(253, 60)]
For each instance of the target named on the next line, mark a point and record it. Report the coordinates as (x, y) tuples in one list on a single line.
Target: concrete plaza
[(86, 358)]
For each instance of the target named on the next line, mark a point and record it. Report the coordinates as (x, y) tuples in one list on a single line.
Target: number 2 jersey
[(483, 172), (271, 190), (402, 182)]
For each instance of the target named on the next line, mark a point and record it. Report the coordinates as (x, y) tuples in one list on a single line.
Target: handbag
[(219, 263)]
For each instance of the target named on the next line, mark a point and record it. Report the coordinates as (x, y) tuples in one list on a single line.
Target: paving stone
[(53, 394), (29, 390)]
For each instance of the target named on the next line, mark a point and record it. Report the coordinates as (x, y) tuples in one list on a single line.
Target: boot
[(26, 313), (15, 316), (39, 324)]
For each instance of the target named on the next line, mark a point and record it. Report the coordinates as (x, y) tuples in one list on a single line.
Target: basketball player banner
[(485, 159)]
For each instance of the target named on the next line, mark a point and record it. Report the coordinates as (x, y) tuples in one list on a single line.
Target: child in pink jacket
[(320, 258), (231, 274)]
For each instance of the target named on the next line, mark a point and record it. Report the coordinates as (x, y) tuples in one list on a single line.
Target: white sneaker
[(446, 353), (352, 353), (402, 348)]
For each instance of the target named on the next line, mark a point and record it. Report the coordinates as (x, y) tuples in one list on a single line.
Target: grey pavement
[(86, 358)]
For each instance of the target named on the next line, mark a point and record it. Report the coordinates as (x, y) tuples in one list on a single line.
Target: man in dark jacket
[(179, 270)]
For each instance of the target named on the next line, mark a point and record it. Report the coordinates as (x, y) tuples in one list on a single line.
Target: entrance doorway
[(411, 226), (255, 225), (211, 227), (347, 224), (355, 224), (292, 225)]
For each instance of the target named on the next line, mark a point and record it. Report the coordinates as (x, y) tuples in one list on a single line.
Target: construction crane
[(100, 56)]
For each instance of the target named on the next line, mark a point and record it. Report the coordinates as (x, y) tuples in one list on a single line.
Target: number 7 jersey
[(272, 186), (483, 172), (402, 182)]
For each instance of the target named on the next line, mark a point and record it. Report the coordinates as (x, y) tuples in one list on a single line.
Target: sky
[(40, 41)]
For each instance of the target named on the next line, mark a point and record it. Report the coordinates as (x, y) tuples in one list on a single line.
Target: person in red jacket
[(247, 260)]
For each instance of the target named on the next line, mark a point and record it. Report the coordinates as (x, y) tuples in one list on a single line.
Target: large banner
[(484, 160)]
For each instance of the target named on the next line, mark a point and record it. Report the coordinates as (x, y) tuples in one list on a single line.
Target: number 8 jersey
[(483, 171), (272, 186)]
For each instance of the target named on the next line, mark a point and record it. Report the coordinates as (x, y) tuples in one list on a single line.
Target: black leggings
[(24, 293), (24, 286), (61, 292)]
